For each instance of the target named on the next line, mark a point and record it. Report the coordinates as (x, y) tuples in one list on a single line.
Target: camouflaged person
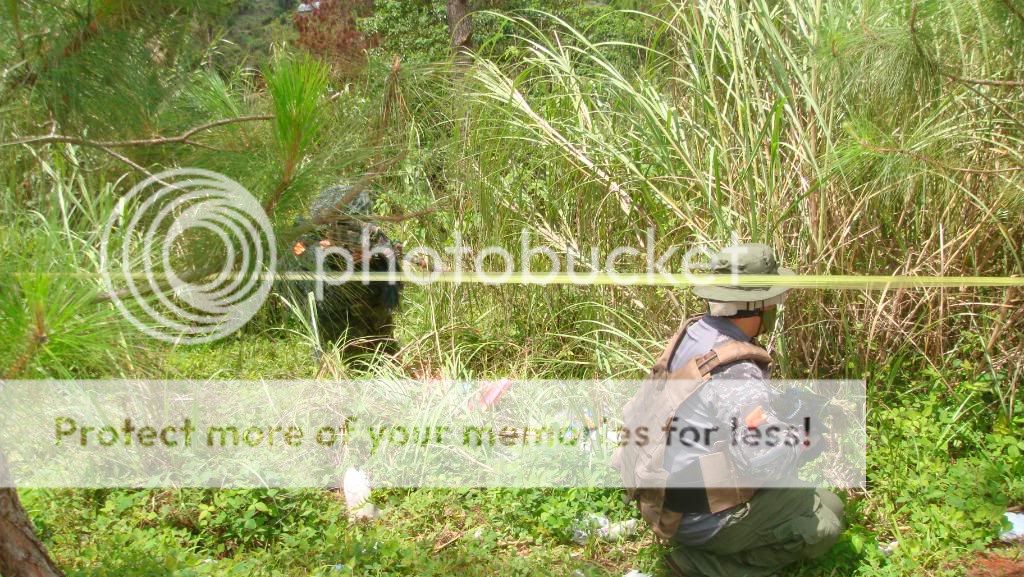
[(358, 315), (713, 375)]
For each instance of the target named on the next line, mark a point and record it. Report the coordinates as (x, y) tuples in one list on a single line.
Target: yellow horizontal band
[(832, 282)]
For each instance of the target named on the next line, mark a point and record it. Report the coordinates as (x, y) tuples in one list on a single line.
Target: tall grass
[(832, 131)]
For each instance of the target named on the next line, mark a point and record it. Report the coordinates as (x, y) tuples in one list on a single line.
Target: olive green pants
[(775, 528)]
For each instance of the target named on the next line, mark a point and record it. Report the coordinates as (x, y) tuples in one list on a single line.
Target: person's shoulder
[(736, 384), (740, 370)]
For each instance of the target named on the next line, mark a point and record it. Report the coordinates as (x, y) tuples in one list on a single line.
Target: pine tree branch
[(109, 146), (1014, 9), (131, 163), (1011, 116), (402, 217), (941, 69), (37, 338), (935, 162), (183, 138), (982, 81)]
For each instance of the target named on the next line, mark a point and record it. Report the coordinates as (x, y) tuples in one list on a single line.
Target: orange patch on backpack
[(755, 418)]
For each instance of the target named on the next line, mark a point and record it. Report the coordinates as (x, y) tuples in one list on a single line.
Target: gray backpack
[(653, 407)]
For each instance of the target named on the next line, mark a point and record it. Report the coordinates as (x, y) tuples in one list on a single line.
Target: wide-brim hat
[(743, 259)]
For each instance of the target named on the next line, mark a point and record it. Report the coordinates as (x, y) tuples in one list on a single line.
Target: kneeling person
[(713, 375)]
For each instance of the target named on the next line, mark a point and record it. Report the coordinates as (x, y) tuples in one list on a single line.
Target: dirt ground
[(990, 565)]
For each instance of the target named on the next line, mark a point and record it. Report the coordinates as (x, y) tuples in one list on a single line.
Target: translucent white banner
[(404, 433)]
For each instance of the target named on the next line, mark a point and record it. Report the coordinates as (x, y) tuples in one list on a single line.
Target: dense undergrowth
[(867, 137)]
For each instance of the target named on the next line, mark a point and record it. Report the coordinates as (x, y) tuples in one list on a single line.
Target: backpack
[(641, 465)]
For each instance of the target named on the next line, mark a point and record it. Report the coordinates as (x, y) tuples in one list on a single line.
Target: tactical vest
[(642, 464)]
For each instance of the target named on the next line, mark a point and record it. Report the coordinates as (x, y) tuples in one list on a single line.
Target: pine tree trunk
[(21, 552), (460, 27)]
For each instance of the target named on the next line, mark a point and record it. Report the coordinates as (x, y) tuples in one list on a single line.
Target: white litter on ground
[(598, 526), (1016, 532), (356, 488)]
